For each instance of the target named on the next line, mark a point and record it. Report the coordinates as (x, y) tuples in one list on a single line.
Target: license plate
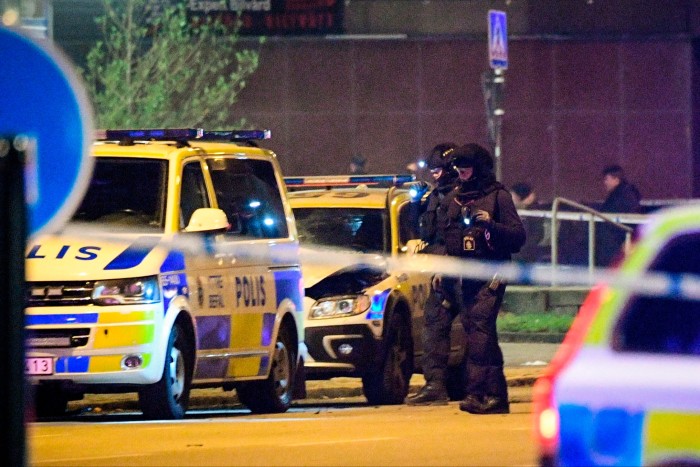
[(38, 366)]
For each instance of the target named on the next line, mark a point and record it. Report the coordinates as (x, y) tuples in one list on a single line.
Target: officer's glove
[(417, 190), (483, 217)]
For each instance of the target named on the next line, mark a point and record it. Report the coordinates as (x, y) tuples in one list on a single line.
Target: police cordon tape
[(646, 283)]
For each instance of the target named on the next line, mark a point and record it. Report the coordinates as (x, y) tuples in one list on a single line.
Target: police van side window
[(193, 193), (664, 325), (247, 191), (111, 198)]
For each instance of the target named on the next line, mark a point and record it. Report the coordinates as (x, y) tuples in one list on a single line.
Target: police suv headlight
[(135, 291), (339, 307)]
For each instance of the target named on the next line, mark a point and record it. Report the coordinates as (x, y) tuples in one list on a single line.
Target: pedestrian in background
[(524, 196), (622, 197), (477, 220), (419, 169), (537, 247), (358, 165)]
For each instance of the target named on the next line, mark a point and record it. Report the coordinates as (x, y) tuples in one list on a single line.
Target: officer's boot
[(433, 393)]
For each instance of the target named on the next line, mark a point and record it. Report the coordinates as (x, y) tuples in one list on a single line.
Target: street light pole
[(498, 83), (492, 85)]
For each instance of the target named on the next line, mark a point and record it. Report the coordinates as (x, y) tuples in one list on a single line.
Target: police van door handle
[(282, 268)]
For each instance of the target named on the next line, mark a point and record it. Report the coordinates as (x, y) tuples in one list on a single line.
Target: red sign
[(274, 17)]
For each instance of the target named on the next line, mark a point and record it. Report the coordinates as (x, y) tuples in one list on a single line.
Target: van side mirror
[(209, 220)]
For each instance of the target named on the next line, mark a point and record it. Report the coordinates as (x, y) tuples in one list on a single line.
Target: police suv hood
[(332, 272), (76, 258)]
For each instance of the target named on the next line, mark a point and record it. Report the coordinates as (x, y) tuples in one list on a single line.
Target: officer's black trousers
[(477, 307)]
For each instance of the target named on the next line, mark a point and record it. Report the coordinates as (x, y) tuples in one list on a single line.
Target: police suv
[(624, 387), (363, 318), (179, 270)]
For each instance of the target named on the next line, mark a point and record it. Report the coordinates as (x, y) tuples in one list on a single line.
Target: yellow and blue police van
[(364, 318), (624, 387), (179, 270)]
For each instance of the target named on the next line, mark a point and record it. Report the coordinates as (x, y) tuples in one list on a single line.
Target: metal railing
[(590, 215)]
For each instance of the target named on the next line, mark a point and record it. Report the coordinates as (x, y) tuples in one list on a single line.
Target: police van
[(179, 270)]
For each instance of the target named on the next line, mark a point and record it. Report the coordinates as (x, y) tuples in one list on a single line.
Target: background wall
[(590, 82), (571, 107)]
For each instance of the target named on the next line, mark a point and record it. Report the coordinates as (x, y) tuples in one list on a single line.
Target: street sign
[(498, 40), (42, 98)]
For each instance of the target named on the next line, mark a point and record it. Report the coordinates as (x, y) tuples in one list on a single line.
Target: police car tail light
[(339, 307), (140, 290), (546, 415)]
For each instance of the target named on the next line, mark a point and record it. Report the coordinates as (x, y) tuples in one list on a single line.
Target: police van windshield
[(359, 229), (126, 193)]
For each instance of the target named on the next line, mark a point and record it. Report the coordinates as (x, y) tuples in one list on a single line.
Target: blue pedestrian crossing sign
[(42, 98), (498, 40)]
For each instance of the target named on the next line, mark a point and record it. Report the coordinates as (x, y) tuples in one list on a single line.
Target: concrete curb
[(334, 388), (535, 337)]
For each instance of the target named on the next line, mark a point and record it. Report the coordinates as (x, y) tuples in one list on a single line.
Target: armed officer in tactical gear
[(477, 220), (439, 163)]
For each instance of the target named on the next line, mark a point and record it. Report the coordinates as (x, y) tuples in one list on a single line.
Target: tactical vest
[(463, 235), (428, 225)]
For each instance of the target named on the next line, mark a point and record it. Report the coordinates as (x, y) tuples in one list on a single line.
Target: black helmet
[(441, 156), (473, 155)]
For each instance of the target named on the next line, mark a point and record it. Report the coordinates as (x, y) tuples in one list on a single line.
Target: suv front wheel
[(388, 384)]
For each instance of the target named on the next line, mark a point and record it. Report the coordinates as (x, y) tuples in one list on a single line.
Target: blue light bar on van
[(236, 135), (178, 134), (348, 180), (155, 134)]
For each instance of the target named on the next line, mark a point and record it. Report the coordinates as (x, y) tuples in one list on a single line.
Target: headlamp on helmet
[(440, 157)]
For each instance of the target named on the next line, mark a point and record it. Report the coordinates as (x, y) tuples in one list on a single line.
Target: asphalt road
[(312, 433), (333, 426)]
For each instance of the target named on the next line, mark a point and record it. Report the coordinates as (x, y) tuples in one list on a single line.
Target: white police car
[(133, 307), (362, 318), (624, 387)]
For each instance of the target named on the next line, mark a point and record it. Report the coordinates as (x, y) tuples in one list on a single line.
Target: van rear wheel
[(273, 394)]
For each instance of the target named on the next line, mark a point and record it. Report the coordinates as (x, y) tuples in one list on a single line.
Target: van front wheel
[(168, 398)]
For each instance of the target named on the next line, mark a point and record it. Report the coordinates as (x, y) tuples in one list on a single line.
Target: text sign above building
[(498, 40), (274, 17)]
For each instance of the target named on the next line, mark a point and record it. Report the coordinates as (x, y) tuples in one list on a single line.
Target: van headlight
[(137, 291), (337, 307)]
